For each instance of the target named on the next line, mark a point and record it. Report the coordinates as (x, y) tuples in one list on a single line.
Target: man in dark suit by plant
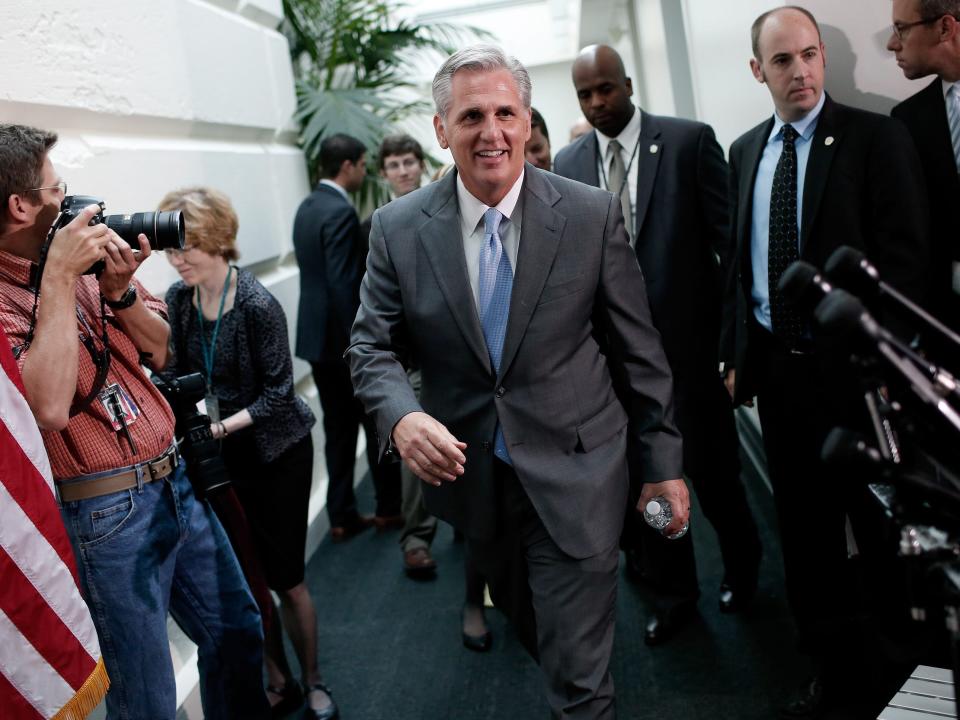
[(672, 179), (814, 176), (926, 41), (327, 243)]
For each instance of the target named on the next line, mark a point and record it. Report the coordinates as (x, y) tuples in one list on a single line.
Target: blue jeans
[(144, 552)]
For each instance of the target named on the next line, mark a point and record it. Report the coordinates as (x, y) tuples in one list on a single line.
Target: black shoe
[(664, 623), (292, 698), (808, 701), (330, 712), (477, 643)]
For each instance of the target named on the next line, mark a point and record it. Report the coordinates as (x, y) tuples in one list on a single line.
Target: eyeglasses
[(177, 252), (406, 164), (899, 29), (61, 186)]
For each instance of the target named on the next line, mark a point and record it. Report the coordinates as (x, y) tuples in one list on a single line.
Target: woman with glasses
[(226, 325)]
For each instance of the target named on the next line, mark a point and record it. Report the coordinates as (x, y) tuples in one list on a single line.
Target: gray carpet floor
[(390, 646)]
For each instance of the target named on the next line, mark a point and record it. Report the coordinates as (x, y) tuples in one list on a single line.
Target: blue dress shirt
[(762, 188)]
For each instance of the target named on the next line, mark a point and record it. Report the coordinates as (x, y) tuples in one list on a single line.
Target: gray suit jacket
[(576, 322)]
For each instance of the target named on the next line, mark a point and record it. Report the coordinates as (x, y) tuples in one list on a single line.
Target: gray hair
[(484, 58), (939, 8)]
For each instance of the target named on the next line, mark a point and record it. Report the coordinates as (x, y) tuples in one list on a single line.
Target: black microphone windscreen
[(801, 285), (841, 313), (851, 269)]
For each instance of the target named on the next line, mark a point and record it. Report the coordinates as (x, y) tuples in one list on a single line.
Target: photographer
[(143, 542), (227, 326)]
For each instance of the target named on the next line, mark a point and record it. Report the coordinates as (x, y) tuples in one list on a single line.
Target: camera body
[(198, 447), (164, 230)]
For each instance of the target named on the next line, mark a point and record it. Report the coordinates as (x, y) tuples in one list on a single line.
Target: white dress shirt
[(628, 138), (471, 228)]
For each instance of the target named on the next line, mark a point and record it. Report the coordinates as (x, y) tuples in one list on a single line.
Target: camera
[(198, 447), (164, 230)]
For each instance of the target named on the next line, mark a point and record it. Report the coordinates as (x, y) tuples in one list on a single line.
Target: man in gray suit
[(518, 431)]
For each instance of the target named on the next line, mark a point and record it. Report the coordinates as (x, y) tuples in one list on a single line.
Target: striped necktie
[(953, 119)]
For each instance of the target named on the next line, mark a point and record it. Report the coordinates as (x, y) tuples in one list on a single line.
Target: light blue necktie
[(953, 116), (496, 283)]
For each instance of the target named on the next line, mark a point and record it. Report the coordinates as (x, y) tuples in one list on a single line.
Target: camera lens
[(164, 230)]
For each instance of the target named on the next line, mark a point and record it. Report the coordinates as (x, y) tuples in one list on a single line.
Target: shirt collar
[(15, 269), (805, 126), (331, 183), (947, 85), (627, 138), (472, 210)]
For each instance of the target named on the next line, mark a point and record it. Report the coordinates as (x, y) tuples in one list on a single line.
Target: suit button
[(485, 445), (500, 392)]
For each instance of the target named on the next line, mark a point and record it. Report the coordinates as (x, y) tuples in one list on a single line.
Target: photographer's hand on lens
[(121, 264), (675, 491), (77, 245)]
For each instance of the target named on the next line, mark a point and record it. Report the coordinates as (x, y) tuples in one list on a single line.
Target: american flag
[(50, 662)]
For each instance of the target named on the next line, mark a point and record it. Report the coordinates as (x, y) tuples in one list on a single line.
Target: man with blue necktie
[(814, 176), (516, 292)]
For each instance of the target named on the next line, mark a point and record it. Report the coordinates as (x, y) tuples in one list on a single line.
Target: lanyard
[(626, 173), (210, 352)]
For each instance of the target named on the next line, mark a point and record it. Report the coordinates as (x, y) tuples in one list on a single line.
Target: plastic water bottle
[(658, 515)]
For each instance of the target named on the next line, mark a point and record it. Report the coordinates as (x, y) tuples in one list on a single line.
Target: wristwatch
[(126, 300)]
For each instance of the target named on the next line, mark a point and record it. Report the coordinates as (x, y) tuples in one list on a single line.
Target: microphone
[(841, 312), (803, 286), (851, 269)]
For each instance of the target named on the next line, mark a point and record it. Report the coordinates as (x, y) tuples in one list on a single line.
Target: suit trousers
[(563, 608), (711, 461), (342, 417), (419, 526), (799, 402)]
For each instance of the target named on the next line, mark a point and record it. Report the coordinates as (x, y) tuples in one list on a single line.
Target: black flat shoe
[(292, 696), (330, 712), (477, 643)]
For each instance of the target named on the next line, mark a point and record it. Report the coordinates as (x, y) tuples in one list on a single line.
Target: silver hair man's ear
[(478, 57)]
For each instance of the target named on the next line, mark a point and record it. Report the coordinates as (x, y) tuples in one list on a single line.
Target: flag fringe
[(88, 696)]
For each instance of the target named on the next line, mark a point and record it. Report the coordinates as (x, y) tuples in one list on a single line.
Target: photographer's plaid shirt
[(89, 443)]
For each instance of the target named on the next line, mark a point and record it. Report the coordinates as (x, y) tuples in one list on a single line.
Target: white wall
[(151, 95)]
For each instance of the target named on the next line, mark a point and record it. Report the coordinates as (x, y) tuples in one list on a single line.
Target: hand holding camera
[(78, 245), (120, 263)]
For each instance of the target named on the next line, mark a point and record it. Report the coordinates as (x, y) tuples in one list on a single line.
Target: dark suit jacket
[(325, 238), (565, 427), (925, 115), (863, 187), (682, 225)]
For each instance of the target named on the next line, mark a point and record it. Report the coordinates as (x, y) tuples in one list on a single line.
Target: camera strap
[(101, 358)]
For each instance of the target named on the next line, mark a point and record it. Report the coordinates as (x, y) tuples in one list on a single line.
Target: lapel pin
[(829, 141), (653, 149)]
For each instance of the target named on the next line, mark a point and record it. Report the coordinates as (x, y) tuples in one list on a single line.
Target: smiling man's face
[(485, 129)]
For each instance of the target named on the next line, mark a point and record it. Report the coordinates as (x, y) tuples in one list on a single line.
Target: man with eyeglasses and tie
[(926, 41), (814, 176), (144, 543), (515, 291)]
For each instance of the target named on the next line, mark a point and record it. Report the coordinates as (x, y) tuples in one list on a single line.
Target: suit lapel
[(585, 159), (648, 161), (752, 152), (827, 137), (442, 242), (540, 234)]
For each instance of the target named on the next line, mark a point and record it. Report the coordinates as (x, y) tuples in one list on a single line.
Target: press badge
[(120, 408), (211, 407)]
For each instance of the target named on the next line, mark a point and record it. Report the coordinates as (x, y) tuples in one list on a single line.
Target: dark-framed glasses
[(61, 186), (900, 29)]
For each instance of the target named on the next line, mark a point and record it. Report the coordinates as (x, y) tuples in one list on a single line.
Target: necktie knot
[(790, 134), (491, 221)]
